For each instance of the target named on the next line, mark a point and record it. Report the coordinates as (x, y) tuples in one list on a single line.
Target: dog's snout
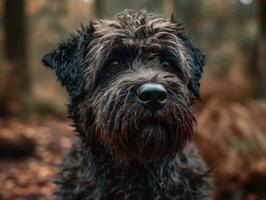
[(152, 96)]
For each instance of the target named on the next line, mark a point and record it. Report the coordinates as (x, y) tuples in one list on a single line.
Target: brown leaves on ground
[(232, 138), (32, 177)]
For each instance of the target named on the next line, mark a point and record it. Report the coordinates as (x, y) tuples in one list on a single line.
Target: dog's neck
[(102, 158), (107, 168)]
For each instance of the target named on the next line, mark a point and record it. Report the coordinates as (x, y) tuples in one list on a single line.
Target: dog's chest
[(137, 184), (146, 184)]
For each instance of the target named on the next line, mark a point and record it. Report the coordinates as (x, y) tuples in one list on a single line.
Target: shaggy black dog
[(131, 83)]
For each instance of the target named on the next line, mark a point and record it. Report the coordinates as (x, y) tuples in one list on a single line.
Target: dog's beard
[(151, 141), (132, 134)]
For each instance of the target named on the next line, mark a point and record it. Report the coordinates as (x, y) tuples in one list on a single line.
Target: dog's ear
[(67, 59), (197, 63)]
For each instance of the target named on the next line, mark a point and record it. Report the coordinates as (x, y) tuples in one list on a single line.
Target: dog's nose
[(152, 96)]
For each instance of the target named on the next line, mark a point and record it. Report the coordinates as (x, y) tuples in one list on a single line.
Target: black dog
[(131, 84)]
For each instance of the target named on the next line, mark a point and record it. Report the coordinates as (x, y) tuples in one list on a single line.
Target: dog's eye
[(170, 64), (165, 63), (114, 65)]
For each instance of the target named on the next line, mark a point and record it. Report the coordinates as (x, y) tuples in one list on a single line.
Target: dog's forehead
[(138, 31), (138, 28)]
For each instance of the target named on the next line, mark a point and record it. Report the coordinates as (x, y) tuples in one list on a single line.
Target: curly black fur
[(125, 151)]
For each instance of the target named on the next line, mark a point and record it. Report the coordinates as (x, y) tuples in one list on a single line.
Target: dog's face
[(131, 83)]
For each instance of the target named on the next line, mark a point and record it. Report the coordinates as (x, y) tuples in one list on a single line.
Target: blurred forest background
[(231, 125)]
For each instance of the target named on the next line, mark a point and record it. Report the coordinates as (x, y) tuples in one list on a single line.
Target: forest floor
[(231, 137), (31, 178)]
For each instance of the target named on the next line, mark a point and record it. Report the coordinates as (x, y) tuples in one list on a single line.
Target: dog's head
[(131, 83)]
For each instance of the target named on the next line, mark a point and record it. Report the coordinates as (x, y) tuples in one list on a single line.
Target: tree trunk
[(169, 7), (16, 84), (261, 66), (192, 18), (99, 8)]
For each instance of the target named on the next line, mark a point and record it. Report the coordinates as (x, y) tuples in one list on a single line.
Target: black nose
[(152, 96)]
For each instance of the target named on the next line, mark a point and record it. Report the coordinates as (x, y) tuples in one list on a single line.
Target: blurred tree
[(169, 7), (15, 49), (191, 15), (99, 8), (261, 66)]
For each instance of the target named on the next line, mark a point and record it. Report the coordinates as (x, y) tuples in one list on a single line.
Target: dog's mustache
[(132, 133)]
